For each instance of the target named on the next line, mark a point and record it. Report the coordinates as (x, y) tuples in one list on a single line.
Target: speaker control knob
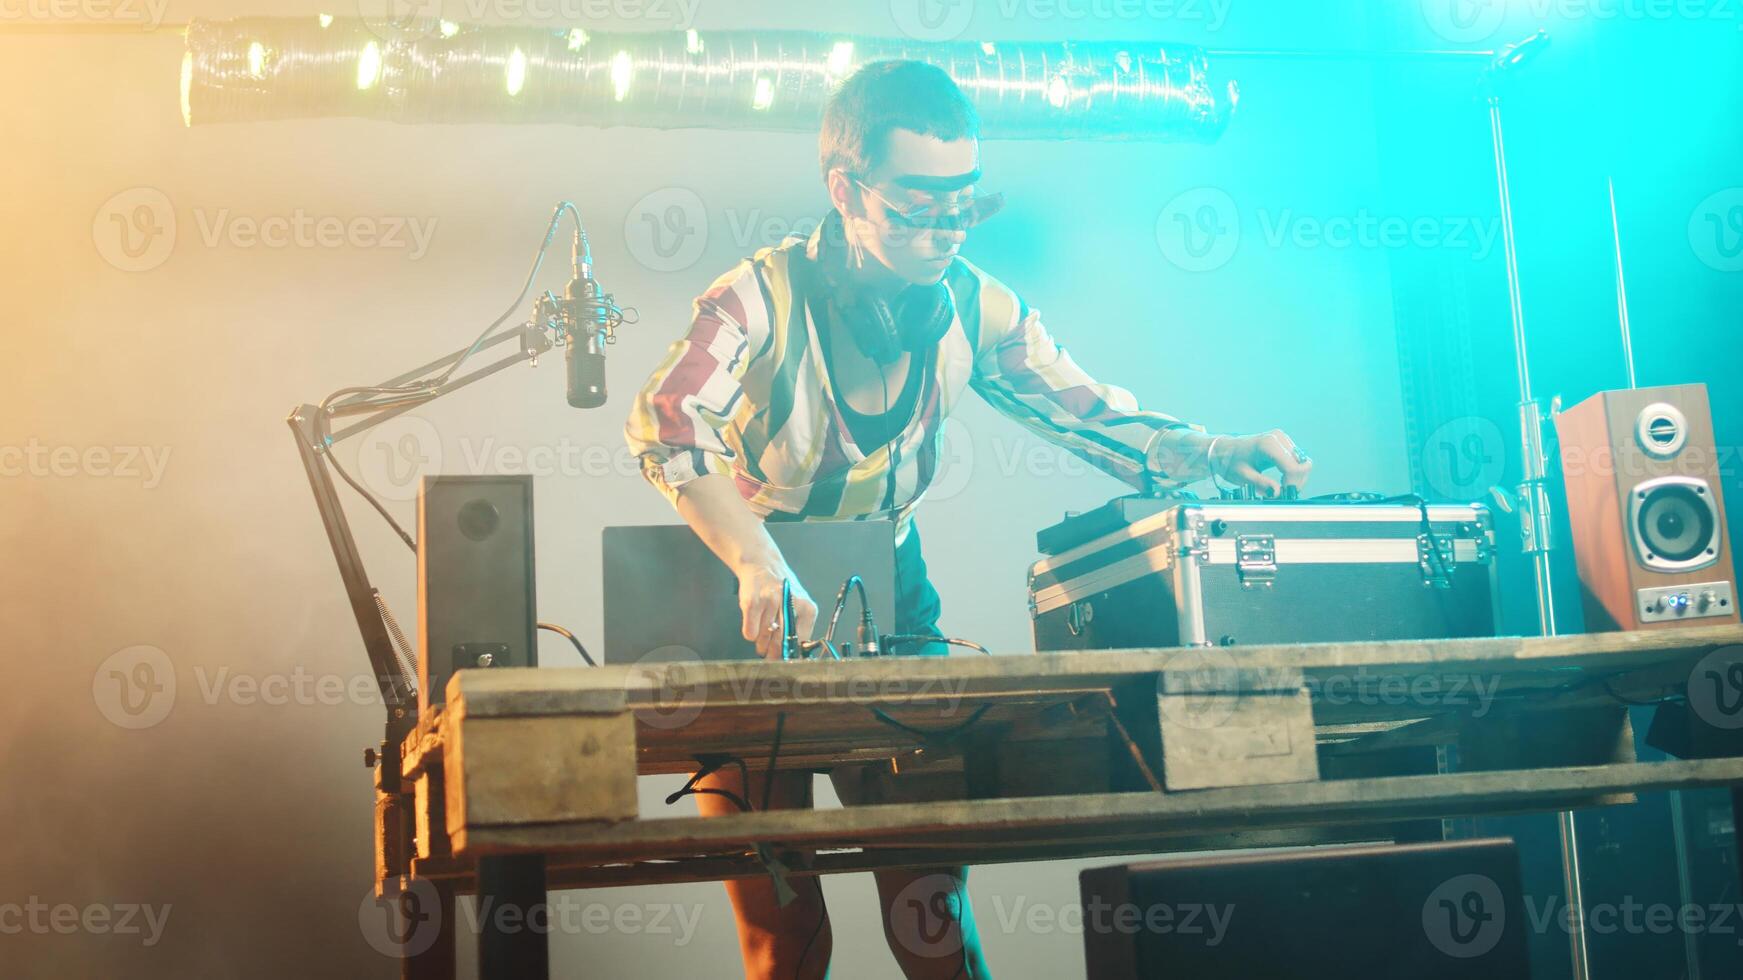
[(1709, 599)]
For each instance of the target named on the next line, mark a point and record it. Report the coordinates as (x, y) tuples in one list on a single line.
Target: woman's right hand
[(759, 601), (712, 506)]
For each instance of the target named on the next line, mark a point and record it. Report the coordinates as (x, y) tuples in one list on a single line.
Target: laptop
[(667, 597)]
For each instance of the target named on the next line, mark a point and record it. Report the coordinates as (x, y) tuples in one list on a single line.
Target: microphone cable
[(615, 317)]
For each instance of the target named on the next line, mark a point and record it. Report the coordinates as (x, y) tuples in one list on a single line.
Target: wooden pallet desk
[(1042, 757)]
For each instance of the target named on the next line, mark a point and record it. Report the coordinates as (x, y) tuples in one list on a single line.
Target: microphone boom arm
[(311, 425), (536, 339), (315, 439)]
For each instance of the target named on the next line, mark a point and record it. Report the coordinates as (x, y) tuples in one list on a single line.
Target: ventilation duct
[(439, 72)]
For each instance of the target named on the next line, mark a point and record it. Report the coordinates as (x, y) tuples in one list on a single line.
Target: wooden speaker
[(1647, 506)]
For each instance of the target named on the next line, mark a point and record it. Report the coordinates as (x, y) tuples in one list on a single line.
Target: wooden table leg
[(436, 961), (513, 943)]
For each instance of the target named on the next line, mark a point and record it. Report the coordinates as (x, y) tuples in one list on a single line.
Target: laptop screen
[(667, 597)]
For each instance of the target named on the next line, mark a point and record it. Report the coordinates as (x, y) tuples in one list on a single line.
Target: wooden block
[(391, 858), (532, 770), (1219, 740), (429, 808)]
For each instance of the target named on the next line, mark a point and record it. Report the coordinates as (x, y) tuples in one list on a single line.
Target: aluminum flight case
[(1156, 572)]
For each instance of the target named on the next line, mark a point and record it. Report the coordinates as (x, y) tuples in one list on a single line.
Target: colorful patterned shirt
[(746, 393)]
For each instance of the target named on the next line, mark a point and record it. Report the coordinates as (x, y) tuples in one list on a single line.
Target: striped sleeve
[(677, 424), (1025, 374)]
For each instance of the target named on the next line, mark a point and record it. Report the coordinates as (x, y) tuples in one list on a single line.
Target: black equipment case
[(1160, 572)]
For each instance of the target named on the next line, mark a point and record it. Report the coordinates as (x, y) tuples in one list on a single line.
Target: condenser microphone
[(586, 314), (585, 355)]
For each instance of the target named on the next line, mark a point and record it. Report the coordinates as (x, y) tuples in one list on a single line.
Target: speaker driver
[(1675, 525)]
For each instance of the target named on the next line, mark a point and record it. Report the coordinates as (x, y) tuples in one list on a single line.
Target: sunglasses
[(951, 216)]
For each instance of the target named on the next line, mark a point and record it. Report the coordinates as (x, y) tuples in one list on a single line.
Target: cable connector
[(866, 637), (789, 623)]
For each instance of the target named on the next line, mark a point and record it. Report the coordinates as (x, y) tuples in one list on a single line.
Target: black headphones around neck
[(882, 327)]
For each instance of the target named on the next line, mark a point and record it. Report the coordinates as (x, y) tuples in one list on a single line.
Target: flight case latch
[(1256, 560)]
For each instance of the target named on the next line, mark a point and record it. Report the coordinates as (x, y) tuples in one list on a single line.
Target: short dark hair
[(886, 95)]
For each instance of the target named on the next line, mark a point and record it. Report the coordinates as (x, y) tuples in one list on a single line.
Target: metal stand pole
[(1534, 518), (1533, 495), (1622, 292)]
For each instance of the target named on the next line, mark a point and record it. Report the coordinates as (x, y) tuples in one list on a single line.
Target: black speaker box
[(475, 578), (1439, 911)]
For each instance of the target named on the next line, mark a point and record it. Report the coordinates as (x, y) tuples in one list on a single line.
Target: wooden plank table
[(1037, 757)]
